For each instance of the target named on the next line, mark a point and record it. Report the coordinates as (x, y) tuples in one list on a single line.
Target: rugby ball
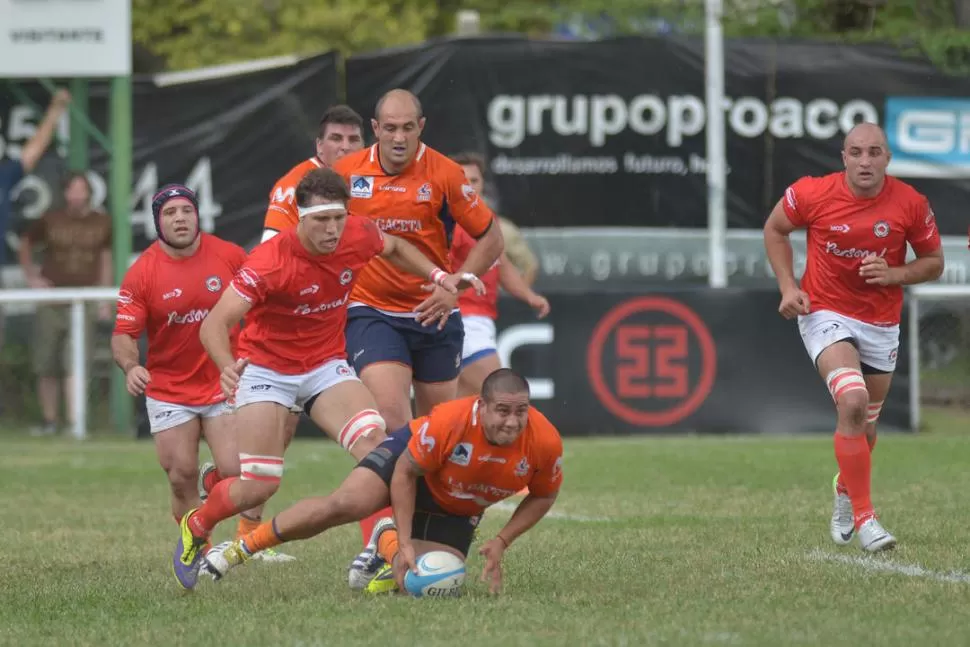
[(440, 575)]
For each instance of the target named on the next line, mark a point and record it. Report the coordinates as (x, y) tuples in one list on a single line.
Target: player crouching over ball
[(464, 456)]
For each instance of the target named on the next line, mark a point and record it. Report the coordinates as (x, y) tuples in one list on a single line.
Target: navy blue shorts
[(430, 521), (433, 355)]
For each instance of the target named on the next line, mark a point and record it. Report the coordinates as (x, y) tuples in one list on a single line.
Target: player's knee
[(182, 478), (362, 433), (848, 389), (261, 475)]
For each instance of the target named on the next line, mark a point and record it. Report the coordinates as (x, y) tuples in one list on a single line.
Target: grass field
[(667, 541)]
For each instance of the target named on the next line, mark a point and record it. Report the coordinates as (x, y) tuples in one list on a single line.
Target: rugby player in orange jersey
[(397, 336), (848, 306), (167, 293), (340, 133), (293, 291), (440, 472)]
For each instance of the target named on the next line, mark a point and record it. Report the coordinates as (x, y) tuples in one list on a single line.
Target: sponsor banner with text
[(625, 146)]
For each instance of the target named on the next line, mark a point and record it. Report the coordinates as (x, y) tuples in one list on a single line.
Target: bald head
[(398, 102), (865, 153), (864, 135)]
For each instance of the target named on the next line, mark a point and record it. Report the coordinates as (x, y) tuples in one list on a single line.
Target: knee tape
[(253, 467), (873, 411), (360, 426), (843, 380)]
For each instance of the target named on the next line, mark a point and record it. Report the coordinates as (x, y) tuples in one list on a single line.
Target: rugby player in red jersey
[(293, 291), (848, 305), (168, 292)]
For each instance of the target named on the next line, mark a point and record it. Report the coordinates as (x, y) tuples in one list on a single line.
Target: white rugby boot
[(874, 538), (842, 527)]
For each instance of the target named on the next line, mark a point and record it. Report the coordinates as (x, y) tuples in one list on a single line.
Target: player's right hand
[(229, 379), (794, 302), (136, 379), (408, 563)]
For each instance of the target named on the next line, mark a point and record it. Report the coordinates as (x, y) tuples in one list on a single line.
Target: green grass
[(705, 541)]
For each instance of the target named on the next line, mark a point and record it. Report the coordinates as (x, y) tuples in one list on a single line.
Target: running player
[(397, 336), (479, 356), (168, 292), (849, 302), (340, 133), (294, 289), (466, 455)]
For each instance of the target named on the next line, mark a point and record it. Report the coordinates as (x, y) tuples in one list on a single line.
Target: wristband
[(502, 539), (438, 275)]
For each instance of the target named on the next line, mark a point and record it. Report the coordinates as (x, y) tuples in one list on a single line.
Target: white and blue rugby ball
[(440, 575)]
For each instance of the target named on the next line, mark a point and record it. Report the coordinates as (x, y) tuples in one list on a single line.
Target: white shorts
[(877, 345), (260, 384), (165, 415), (479, 338)]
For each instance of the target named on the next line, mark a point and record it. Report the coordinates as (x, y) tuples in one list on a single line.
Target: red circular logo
[(664, 361)]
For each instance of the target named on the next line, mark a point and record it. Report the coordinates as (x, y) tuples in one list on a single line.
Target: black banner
[(694, 360), (229, 138), (612, 132)]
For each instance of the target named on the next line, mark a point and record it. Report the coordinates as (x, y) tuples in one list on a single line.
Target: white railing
[(918, 293), (77, 297)]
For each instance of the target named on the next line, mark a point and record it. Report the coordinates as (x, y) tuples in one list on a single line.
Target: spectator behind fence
[(516, 249), (12, 171), (77, 253)]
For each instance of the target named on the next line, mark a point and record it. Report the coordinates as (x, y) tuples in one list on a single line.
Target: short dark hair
[(471, 159), (78, 175), (504, 380), (342, 115), (322, 183)]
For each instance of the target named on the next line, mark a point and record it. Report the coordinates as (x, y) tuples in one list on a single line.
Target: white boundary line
[(507, 506), (876, 565)]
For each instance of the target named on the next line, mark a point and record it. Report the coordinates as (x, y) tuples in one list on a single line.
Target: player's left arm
[(474, 216), (215, 330), (924, 237), (410, 259), (516, 285)]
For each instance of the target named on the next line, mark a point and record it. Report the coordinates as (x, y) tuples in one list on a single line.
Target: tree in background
[(194, 33)]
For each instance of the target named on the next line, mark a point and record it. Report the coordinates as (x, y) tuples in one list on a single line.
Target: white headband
[(320, 208)]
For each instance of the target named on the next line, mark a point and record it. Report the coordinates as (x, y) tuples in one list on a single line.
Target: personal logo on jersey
[(790, 199), (468, 191), (881, 229), (557, 469), (424, 193), (461, 454), (842, 229), (213, 284), (125, 297), (522, 468), (174, 294), (361, 186), (313, 289), (929, 216), (346, 277), (248, 277)]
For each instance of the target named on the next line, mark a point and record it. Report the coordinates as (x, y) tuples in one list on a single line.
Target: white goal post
[(77, 298)]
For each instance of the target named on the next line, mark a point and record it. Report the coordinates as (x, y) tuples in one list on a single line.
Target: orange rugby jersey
[(282, 212), (422, 205), (466, 474)]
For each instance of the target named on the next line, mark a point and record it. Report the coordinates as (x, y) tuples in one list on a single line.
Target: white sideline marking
[(911, 570), (505, 506)]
